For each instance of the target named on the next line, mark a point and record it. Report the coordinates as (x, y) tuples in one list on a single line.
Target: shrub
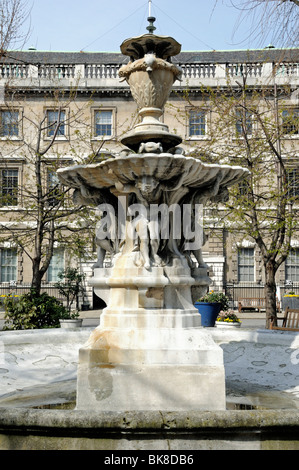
[(217, 297), (70, 286), (31, 311)]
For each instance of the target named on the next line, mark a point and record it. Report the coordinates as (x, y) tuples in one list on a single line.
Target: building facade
[(82, 92)]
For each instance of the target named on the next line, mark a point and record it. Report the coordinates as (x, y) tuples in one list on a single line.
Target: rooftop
[(36, 57)]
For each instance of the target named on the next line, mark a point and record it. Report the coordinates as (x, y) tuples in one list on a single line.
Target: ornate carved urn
[(150, 75)]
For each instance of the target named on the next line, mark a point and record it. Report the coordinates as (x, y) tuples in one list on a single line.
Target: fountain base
[(149, 352), (167, 370)]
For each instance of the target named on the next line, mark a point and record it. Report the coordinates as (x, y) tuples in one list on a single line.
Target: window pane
[(246, 265), (290, 121), (292, 266), (293, 183), (56, 265), (55, 196), (8, 264), (197, 123), (244, 122), (9, 123), (53, 119), (103, 123), (9, 189), (244, 187)]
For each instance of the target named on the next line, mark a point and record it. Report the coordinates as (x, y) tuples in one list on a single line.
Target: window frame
[(19, 122), (207, 116), (55, 187), (246, 265), (65, 135), (289, 135), (4, 249), (244, 187), (292, 265), (18, 187), (49, 274), (248, 115), (98, 109), (293, 178), (51, 165)]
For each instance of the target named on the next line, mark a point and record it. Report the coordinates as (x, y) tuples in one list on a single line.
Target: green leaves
[(70, 286), (215, 297), (31, 311)]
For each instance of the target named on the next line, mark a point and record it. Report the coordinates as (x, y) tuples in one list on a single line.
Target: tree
[(13, 16), (274, 20), (263, 208), (70, 286), (46, 213)]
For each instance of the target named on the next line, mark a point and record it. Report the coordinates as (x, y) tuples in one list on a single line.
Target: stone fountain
[(149, 351)]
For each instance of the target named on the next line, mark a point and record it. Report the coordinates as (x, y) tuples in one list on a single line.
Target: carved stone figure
[(199, 197), (150, 147), (95, 197), (110, 243), (148, 192)]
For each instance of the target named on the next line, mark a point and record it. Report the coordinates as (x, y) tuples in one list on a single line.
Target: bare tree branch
[(13, 16), (270, 20)]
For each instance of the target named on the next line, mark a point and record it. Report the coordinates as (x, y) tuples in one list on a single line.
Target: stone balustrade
[(249, 70), (198, 70), (14, 71), (56, 71), (101, 70), (192, 73), (287, 69)]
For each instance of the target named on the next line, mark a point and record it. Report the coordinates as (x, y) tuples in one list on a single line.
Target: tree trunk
[(270, 292), (36, 277)]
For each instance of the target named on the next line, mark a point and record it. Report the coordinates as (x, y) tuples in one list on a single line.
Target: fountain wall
[(39, 369), (175, 432)]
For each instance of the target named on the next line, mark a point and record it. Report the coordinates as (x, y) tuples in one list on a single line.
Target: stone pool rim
[(29, 429)]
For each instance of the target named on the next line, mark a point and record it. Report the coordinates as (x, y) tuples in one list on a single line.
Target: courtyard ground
[(91, 318)]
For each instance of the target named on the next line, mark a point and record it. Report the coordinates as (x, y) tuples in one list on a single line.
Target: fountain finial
[(150, 75), (151, 19), (151, 28)]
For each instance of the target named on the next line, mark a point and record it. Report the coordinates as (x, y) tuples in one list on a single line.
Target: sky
[(101, 26)]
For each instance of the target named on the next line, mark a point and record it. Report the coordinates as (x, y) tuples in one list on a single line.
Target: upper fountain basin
[(162, 46), (164, 167)]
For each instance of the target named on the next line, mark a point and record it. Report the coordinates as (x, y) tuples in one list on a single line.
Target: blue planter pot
[(208, 312)]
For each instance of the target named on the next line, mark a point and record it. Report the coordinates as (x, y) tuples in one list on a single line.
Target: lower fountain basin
[(257, 363), (39, 368)]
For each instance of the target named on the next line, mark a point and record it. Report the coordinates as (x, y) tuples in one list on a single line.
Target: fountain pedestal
[(149, 353), (151, 369)]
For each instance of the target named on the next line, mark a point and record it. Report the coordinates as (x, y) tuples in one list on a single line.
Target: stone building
[(95, 108)]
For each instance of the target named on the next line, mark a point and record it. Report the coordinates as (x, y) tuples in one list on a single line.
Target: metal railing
[(239, 290), (17, 290)]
